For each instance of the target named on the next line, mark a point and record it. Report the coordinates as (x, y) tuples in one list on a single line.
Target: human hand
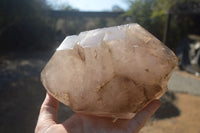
[(79, 123)]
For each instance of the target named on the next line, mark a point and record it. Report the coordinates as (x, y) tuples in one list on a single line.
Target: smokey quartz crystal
[(111, 72)]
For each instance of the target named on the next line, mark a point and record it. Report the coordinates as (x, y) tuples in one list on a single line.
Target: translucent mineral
[(110, 72)]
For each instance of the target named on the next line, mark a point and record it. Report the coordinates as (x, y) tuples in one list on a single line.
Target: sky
[(88, 5)]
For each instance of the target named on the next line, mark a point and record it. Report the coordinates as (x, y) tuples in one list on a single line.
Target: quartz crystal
[(110, 72)]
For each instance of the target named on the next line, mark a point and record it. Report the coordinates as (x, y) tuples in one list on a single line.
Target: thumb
[(141, 118), (48, 113)]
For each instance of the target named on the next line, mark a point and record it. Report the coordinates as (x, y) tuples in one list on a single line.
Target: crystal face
[(111, 72)]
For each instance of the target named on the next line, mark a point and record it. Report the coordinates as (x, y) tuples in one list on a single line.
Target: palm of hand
[(78, 123)]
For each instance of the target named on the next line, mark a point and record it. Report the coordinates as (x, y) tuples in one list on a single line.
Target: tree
[(24, 24), (117, 8), (140, 11), (152, 14)]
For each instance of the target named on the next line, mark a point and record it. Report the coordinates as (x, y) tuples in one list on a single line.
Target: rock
[(111, 72)]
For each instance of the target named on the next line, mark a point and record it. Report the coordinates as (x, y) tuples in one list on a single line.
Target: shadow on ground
[(21, 93), (168, 108)]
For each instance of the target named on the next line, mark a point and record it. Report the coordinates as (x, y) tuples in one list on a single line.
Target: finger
[(74, 124), (141, 118), (48, 113)]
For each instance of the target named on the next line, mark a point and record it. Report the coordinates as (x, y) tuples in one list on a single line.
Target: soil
[(187, 122)]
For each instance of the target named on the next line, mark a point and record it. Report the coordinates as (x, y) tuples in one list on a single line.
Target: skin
[(79, 123)]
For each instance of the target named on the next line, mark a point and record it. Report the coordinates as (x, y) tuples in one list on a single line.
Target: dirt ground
[(187, 122)]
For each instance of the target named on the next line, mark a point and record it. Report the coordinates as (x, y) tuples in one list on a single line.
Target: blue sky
[(89, 5)]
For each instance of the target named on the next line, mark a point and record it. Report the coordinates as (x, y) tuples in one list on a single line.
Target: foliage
[(163, 6), (117, 8), (140, 11), (14, 11), (152, 14), (24, 25)]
